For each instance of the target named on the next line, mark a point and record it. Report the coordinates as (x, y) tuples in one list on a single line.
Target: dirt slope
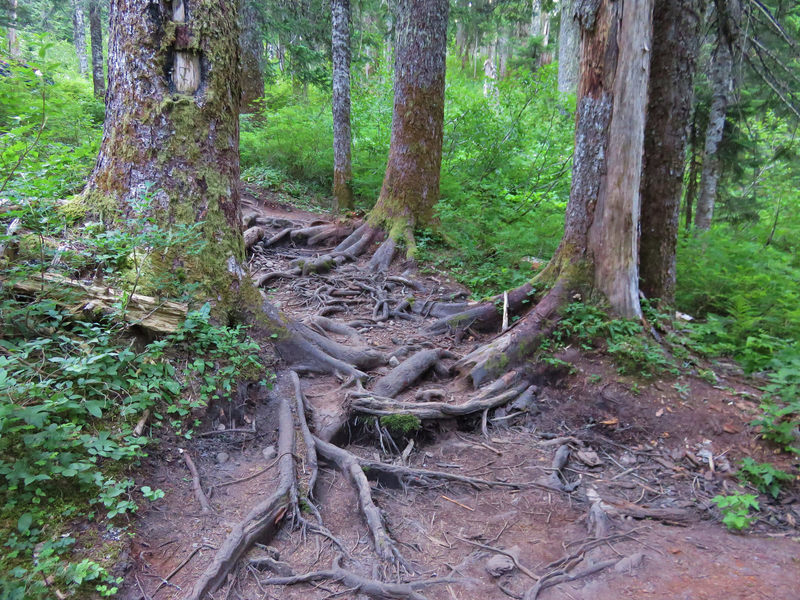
[(631, 455)]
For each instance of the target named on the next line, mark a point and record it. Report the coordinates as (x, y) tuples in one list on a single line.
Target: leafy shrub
[(764, 476), (736, 510)]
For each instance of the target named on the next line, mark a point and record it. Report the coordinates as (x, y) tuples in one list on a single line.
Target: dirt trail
[(567, 442)]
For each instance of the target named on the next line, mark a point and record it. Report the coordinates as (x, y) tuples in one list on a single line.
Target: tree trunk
[(251, 43), (568, 48), (536, 20), (411, 183), (342, 168), (503, 52), (598, 252), (676, 29), (172, 123), (721, 80), (11, 31), (79, 35), (693, 168), (96, 35)]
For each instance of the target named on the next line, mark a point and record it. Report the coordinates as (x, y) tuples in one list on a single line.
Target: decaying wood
[(262, 522), (160, 316)]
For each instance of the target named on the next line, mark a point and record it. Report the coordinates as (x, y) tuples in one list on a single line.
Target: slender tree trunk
[(342, 169), (411, 183), (251, 42), (676, 29), (172, 132), (536, 20), (96, 35), (693, 169), (544, 19), (568, 48), (721, 79), (79, 35), (503, 52), (11, 32)]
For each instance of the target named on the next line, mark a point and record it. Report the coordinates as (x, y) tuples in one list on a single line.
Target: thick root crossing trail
[(374, 469)]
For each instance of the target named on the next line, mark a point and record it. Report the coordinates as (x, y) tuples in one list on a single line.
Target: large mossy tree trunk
[(79, 35), (599, 250), (172, 131), (676, 29), (342, 137), (96, 36), (411, 182)]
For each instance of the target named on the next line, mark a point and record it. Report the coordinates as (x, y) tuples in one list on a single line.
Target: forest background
[(508, 142)]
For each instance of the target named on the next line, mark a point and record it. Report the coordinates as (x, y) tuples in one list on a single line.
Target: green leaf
[(24, 523)]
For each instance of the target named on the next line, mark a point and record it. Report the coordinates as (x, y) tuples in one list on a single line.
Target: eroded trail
[(372, 469)]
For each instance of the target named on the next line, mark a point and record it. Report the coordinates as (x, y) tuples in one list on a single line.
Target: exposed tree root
[(425, 477), (369, 587), (483, 316), (407, 372), (196, 485), (304, 354), (329, 325), (262, 522), (372, 405), (383, 256), (556, 577), (348, 464), (516, 345)]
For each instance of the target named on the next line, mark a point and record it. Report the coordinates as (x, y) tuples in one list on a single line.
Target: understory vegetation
[(74, 388)]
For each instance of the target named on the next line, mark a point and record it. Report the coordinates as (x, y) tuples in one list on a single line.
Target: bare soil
[(633, 444)]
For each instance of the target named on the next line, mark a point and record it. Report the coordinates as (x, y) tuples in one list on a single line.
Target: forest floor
[(649, 453)]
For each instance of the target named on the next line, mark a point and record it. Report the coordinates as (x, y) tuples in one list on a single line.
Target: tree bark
[(568, 48), (171, 133), (342, 167), (11, 31), (411, 183), (721, 79), (79, 35), (96, 35), (676, 29), (598, 252), (251, 42), (536, 20)]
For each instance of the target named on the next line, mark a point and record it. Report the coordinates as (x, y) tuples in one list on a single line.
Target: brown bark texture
[(411, 183), (172, 128), (342, 136), (96, 36), (722, 84), (251, 42), (676, 29), (79, 35)]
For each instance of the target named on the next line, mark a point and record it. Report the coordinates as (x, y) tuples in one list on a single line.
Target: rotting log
[(160, 316)]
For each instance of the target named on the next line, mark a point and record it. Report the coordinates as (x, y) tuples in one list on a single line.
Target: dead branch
[(196, 486)]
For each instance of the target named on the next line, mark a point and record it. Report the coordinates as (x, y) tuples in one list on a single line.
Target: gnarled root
[(513, 347), (348, 464), (407, 372), (484, 316), (306, 350), (369, 587), (383, 256), (376, 406), (262, 521)]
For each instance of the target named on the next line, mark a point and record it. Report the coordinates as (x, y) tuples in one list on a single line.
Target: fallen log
[(160, 316)]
